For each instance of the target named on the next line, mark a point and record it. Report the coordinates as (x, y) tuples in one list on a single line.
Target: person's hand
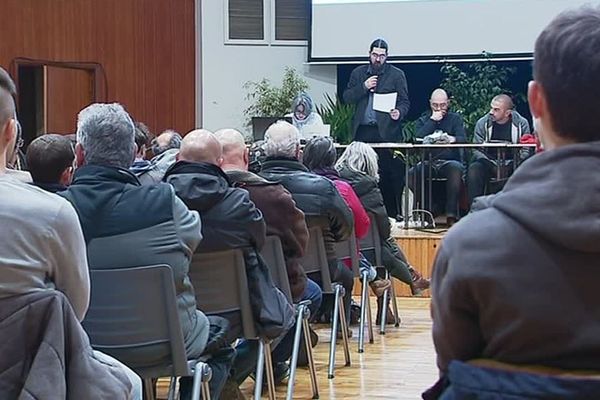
[(395, 114), (371, 83), (451, 139), (437, 115)]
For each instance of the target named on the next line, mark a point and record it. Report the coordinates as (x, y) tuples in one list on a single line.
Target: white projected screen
[(342, 30)]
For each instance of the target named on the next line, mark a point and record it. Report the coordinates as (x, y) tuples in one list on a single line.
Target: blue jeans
[(247, 350)]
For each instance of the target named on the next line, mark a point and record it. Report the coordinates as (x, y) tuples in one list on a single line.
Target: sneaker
[(379, 286), (418, 282)]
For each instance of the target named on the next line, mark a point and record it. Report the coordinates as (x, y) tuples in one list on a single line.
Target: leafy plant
[(339, 116), (272, 101), (472, 88)]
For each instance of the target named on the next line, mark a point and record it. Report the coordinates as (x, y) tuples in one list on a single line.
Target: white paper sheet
[(384, 102)]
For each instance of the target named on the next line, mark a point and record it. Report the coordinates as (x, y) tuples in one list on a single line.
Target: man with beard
[(371, 126)]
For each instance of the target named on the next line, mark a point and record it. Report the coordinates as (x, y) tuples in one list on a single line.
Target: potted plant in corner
[(269, 101), (339, 116)]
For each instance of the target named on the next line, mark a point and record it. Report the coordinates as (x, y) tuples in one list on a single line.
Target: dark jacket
[(230, 220), (367, 190), (390, 80), (452, 124), (475, 382), (516, 281), (50, 187), (316, 196), (129, 225), (283, 219), (47, 355)]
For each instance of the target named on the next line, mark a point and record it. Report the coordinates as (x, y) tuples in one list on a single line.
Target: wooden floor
[(399, 365)]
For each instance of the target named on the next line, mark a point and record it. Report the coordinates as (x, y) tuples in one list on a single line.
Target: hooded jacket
[(283, 219), (516, 281), (483, 133)]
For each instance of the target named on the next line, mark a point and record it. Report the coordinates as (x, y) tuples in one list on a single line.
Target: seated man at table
[(441, 126), (501, 124)]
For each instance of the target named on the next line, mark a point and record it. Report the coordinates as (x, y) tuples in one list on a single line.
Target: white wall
[(225, 68)]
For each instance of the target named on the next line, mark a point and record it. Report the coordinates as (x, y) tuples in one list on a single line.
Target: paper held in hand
[(384, 102)]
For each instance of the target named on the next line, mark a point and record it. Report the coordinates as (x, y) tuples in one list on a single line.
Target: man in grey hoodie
[(516, 281), (501, 124)]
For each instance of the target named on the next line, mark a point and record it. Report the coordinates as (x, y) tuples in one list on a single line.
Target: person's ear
[(536, 99), (79, 155), (246, 157), (66, 176)]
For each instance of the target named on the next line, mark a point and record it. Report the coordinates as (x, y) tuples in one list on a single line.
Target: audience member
[(358, 166), (142, 134), (51, 162), (165, 148), (319, 157), (118, 215), (515, 282), (230, 220), (316, 196), (439, 125), (283, 219), (501, 124), (43, 247)]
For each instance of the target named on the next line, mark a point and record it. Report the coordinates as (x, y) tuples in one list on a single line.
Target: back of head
[(359, 157), (201, 146), (319, 153), (567, 67), (282, 139), (106, 133), (142, 135), (233, 145), (8, 92), (48, 156), (167, 140)]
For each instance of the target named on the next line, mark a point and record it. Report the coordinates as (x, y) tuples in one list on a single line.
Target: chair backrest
[(370, 245), (272, 254), (348, 249), (315, 258), (132, 309), (221, 286)]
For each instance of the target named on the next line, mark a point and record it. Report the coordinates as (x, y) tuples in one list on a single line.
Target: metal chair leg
[(334, 328), (197, 379), (370, 319), (202, 376), (172, 388), (205, 391), (344, 327), (260, 365), (300, 310), (363, 312), (384, 307), (269, 371), (311, 362), (395, 305), (149, 389)]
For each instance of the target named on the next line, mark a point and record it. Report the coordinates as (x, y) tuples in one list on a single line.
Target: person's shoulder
[(28, 199), (395, 70)]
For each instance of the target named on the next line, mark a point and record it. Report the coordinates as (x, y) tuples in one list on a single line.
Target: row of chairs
[(127, 318)]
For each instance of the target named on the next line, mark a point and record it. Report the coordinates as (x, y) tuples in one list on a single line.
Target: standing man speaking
[(371, 126)]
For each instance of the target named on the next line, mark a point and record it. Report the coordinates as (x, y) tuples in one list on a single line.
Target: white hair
[(107, 135), (359, 157), (282, 139)]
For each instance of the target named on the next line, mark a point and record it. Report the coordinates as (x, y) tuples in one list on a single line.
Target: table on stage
[(421, 149)]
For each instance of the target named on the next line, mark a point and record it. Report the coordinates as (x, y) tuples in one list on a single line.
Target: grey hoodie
[(517, 280), (483, 133)]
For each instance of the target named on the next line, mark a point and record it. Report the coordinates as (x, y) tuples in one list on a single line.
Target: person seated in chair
[(126, 225), (440, 125), (515, 283), (315, 195), (284, 220), (501, 124), (50, 159), (230, 220)]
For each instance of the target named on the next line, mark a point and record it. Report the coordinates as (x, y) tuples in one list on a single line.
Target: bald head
[(235, 153), (201, 146), (439, 101), (501, 108), (505, 100), (439, 95)]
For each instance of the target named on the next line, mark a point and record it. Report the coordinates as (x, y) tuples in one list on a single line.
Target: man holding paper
[(380, 93)]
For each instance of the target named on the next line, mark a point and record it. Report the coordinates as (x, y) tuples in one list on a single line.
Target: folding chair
[(135, 309), (315, 261), (370, 246), (272, 253), (221, 286)]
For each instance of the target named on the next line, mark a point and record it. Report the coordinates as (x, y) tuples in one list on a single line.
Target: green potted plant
[(270, 101), (339, 116)]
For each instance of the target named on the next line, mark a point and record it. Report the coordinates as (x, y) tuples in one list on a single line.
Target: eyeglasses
[(378, 56), (439, 105)]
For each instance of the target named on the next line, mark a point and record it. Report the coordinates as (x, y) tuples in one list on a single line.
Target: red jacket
[(361, 219)]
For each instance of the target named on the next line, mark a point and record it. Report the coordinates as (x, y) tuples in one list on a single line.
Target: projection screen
[(426, 30)]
